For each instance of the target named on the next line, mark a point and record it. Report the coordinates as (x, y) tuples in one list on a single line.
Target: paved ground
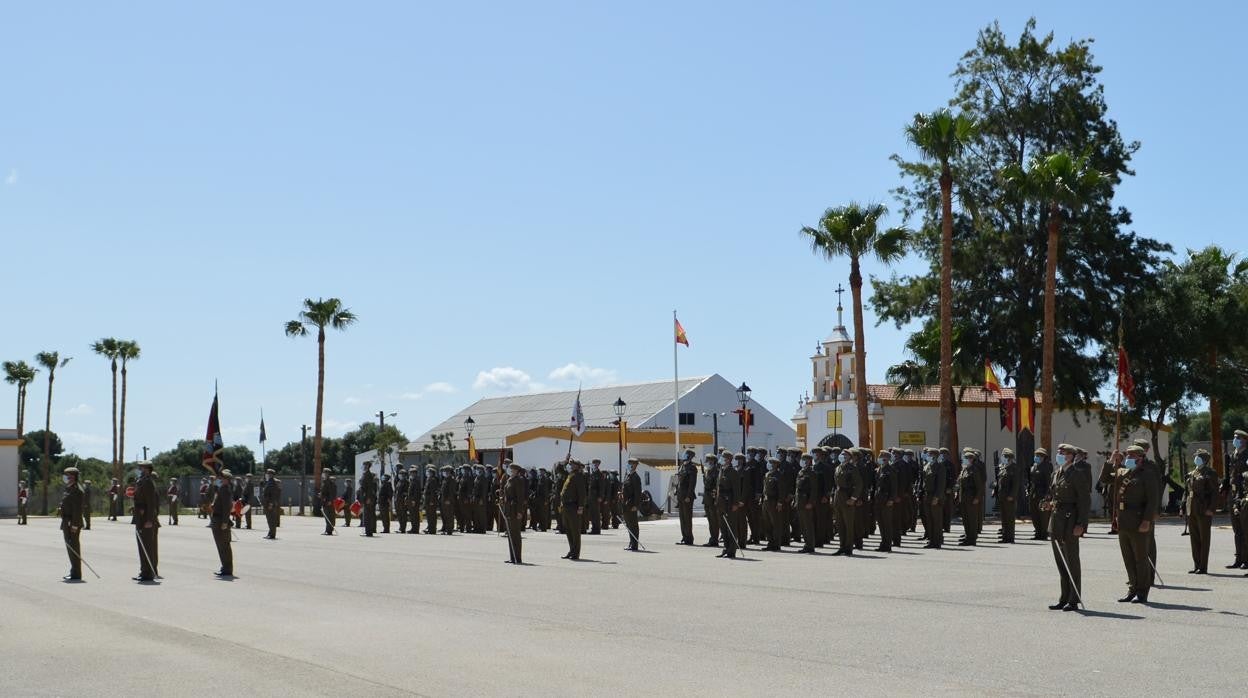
[(438, 615)]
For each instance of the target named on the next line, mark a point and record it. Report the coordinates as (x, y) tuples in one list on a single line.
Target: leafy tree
[(1198, 427), (923, 370), (21, 374), (941, 137), (110, 348), (854, 231), (30, 453), (1027, 97), (319, 314), (50, 360), (128, 350), (387, 438), (187, 459), (440, 450)]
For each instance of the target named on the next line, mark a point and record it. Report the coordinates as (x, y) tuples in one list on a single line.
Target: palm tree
[(319, 313), (942, 137), (50, 360), (1061, 182), (854, 231), (20, 373), (916, 374), (110, 348), (128, 350)]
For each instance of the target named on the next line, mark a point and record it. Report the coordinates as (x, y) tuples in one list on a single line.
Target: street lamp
[(469, 425), (620, 406), (715, 428), (743, 397), (381, 418)]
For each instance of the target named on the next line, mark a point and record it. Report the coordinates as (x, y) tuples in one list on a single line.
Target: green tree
[(50, 360), (21, 374), (1061, 182), (128, 350), (854, 231), (1027, 96), (923, 369), (440, 450), (942, 137), (388, 438), (110, 348), (319, 314), (1199, 426), (30, 453)]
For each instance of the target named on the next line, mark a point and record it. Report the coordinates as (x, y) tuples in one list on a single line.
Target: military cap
[(86, 482), (688, 451), (943, 450), (773, 459), (1065, 447), (174, 479), (1201, 452), (738, 456), (385, 476), (633, 460), (599, 460), (1241, 433), (225, 472), (909, 452), (327, 469), (516, 466), (1142, 443), (710, 458), (794, 449), (885, 452), (144, 464), (1041, 452), (71, 470), (447, 467), (807, 456), (1135, 449), (1007, 452)]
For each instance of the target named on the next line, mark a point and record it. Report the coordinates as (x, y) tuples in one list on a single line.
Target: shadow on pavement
[(1107, 614)]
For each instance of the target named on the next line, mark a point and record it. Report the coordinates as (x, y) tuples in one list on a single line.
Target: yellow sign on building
[(835, 418), (912, 438)]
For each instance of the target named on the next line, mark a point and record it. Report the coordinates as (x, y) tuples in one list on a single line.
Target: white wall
[(716, 394), (391, 462), (817, 422), (8, 476)]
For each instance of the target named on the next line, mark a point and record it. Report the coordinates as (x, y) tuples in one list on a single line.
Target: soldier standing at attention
[(591, 523), (630, 499), (1039, 478), (1151, 469), (487, 500), (204, 499), (114, 499), (775, 500), (368, 498), (348, 496), (849, 492), (271, 498), (1202, 493), (1068, 504), (172, 495), (1007, 486), (385, 497), (1139, 498), (146, 520), (432, 495), (824, 513), (729, 501), (88, 501), (556, 506), (886, 498), (753, 476), (413, 499), (686, 485), (329, 492), (710, 482), (222, 503), (249, 500), (238, 494), (515, 504), (933, 483), (745, 491), (71, 522), (544, 491), (807, 493), (400, 500), (1233, 487), (23, 495), (447, 497), (968, 498), (951, 485), (573, 497)]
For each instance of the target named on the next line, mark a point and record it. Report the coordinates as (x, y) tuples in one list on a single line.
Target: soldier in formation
[(385, 498), (71, 522), (1233, 487), (573, 498), (271, 499), (686, 486), (222, 504), (515, 504), (630, 500), (710, 481), (23, 496), (1202, 495), (1067, 506), (368, 498), (88, 503), (146, 521), (171, 494), (329, 493)]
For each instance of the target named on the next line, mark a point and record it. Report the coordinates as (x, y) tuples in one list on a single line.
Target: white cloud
[(83, 409), (12, 178), (78, 442), (505, 379), (583, 373), (439, 387), (352, 401)]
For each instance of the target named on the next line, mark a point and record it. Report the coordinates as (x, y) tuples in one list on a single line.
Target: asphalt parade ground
[(444, 616)]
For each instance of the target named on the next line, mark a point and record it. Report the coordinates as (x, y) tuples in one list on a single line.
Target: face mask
[(1200, 461), (843, 458), (1238, 442), (1061, 459), (770, 466), (966, 462), (885, 462), (1130, 464), (65, 479), (218, 482), (1037, 460)]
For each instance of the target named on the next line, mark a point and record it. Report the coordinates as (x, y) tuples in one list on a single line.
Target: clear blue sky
[(496, 186)]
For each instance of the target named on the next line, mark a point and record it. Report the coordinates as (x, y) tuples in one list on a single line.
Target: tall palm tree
[(923, 370), (50, 360), (941, 137), (20, 373), (319, 313), (128, 350), (110, 348), (854, 231), (1061, 182)]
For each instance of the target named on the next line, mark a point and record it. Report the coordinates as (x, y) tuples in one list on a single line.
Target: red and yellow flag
[(1125, 382), (991, 384), (836, 376), (681, 337), (623, 435), (1026, 414), (472, 449)]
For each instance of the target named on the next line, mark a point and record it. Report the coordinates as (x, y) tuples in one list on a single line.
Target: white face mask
[(1061, 459), (218, 482), (65, 479), (1200, 460), (1238, 442), (843, 458)]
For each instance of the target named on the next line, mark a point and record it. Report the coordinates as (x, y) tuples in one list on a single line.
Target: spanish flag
[(1026, 414), (472, 449), (991, 384), (836, 376), (681, 337)]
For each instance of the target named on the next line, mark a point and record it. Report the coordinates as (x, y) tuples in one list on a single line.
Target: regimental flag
[(1007, 413), (623, 435), (745, 418), (991, 384), (577, 423), (263, 436), (213, 445), (1026, 414), (836, 377), (1126, 383), (472, 449), (681, 337)]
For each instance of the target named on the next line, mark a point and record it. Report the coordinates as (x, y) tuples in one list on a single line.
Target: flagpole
[(263, 458), (676, 387)]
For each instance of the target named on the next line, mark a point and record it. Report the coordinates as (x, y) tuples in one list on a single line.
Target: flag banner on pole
[(472, 449), (836, 377), (577, 423), (213, 445), (681, 337), (745, 418), (623, 435), (263, 436), (991, 384), (1007, 414), (1125, 382), (1026, 415)]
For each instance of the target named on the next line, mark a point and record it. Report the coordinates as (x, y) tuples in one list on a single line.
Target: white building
[(10, 441)]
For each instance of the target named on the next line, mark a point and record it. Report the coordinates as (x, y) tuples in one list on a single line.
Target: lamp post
[(743, 397), (381, 426), (469, 425), (303, 471), (715, 428), (620, 406)]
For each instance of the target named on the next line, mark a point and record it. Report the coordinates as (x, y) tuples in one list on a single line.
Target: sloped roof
[(497, 418), (971, 394)]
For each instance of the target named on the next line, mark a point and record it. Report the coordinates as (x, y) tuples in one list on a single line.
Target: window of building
[(647, 478), (686, 419)]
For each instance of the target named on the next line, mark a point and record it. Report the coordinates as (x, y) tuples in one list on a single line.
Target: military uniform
[(1233, 486), (970, 497), (114, 500), (1040, 476), (487, 501), (400, 500), (433, 497), (146, 520), (933, 490), (271, 499), (348, 498), (205, 501), (573, 497), (222, 503), (556, 491), (515, 501), (1007, 488), (368, 498), (1067, 505), (849, 493), (806, 491), (686, 486), (71, 523), (412, 502), (887, 487), (447, 497), (544, 490), (23, 495), (753, 476), (1202, 496), (630, 500), (329, 492), (237, 493), (1139, 499), (729, 498), (710, 481), (172, 495), (88, 502), (385, 499), (775, 503), (823, 511)]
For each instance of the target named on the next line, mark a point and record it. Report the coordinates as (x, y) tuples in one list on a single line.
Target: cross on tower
[(839, 291)]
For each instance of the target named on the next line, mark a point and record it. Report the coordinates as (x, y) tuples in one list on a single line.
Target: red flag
[(745, 418), (1126, 383), (991, 384), (213, 445), (1026, 414), (1007, 413), (681, 337)]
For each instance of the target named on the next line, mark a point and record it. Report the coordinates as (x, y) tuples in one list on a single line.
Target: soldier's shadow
[(1107, 614), (1174, 588), (1176, 606), (596, 562)]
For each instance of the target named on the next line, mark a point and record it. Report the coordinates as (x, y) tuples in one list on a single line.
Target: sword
[(1160, 581), (507, 523), (635, 539), (79, 556), (143, 547), (1069, 577), (732, 533)]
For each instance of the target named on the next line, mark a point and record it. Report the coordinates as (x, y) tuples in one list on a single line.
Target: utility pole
[(715, 428), (381, 422), (303, 468), (145, 453)]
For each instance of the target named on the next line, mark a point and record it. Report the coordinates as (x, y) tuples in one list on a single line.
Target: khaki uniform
[(630, 500), (1138, 499), (1007, 489), (1202, 496), (807, 499), (1040, 476), (686, 484), (573, 497), (1070, 498), (71, 527), (887, 489), (146, 520), (776, 496), (220, 517), (849, 486), (710, 482), (730, 500), (329, 492), (933, 475), (271, 499), (515, 502), (172, 495)]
